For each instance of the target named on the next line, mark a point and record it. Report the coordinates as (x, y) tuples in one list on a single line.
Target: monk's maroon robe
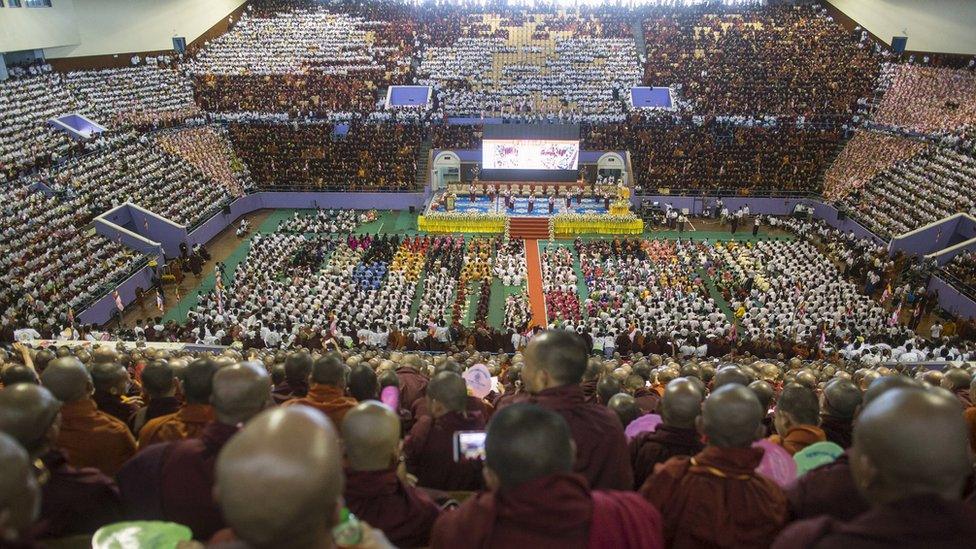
[(404, 513), (429, 450), (660, 445), (716, 499), (413, 385), (923, 521), (554, 512), (75, 501), (826, 490)]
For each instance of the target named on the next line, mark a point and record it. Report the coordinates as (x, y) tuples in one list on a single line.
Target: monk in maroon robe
[(910, 460), (716, 498), (375, 490), (297, 367), (838, 404), (796, 418), (181, 473), (429, 447), (675, 436), (555, 362), (413, 384), (535, 500), (74, 501), (20, 495), (196, 413), (111, 382), (159, 386), (327, 390)]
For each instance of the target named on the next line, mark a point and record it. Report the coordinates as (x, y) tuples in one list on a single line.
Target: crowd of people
[(863, 157), (963, 268), (927, 187), (789, 61), (146, 96), (248, 447), (927, 100), (208, 149), (370, 156), (329, 221)]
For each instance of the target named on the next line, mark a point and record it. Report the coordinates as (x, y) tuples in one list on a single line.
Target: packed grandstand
[(243, 229)]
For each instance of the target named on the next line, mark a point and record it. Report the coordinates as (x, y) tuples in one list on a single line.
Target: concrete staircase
[(422, 163), (529, 228)]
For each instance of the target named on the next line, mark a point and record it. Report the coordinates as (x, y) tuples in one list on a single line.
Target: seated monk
[(111, 381), (716, 498), (174, 481), (159, 385), (625, 407), (327, 389), (295, 503), (555, 362), (534, 498), (796, 418), (829, 489), (957, 381), (20, 494), (376, 490), (413, 384), (675, 436), (196, 412), (838, 404), (429, 447), (88, 437), (74, 501), (297, 367), (911, 462)]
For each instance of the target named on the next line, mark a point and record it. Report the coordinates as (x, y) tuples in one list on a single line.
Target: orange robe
[(970, 417), (716, 499), (799, 437), (91, 438), (188, 422), (329, 400)]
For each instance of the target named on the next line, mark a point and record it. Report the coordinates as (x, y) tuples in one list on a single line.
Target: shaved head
[(67, 379), (909, 442), (732, 417), (626, 408), (730, 374), (554, 358), (681, 404), (20, 496), (371, 434), (329, 370), (955, 379), (882, 385), (764, 392), (13, 374), (841, 399), (27, 413), (279, 480), (799, 404), (527, 442), (807, 379), (363, 384), (450, 390), (107, 376), (297, 366), (606, 388), (157, 379), (240, 392), (198, 380)]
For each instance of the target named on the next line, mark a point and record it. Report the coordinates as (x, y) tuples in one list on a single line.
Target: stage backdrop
[(530, 152)]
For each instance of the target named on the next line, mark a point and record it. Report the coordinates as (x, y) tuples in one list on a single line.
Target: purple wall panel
[(952, 299), (104, 309)]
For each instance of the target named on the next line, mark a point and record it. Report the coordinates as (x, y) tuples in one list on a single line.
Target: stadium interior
[(388, 273)]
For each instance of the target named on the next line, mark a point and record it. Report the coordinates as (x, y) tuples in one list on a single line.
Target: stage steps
[(421, 176), (529, 228)]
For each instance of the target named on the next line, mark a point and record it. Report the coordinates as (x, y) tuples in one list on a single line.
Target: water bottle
[(349, 531)]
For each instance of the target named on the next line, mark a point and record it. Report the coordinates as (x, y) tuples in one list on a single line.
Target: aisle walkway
[(537, 299)]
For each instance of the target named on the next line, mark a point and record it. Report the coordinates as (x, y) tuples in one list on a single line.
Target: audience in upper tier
[(792, 61), (926, 100), (141, 96), (863, 157)]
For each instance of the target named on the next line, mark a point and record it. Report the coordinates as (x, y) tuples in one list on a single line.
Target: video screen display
[(529, 154)]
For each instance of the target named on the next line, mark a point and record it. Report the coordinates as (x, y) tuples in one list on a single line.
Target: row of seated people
[(963, 267), (783, 60), (680, 153), (208, 149), (370, 156), (305, 60), (643, 453), (865, 156), (928, 100), (146, 95), (923, 189)]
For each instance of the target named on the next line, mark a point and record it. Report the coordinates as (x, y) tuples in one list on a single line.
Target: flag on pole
[(118, 300), (894, 316), (159, 299), (71, 316)]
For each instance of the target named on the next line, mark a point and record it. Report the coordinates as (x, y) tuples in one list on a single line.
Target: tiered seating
[(863, 157), (307, 60), (915, 192), (781, 61), (963, 268), (544, 65), (678, 154), (25, 106), (370, 156), (142, 96), (927, 100), (208, 149)]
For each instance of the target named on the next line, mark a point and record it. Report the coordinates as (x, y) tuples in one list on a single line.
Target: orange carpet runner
[(537, 299)]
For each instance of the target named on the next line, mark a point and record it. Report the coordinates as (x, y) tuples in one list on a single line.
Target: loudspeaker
[(899, 43), (841, 215), (226, 209)]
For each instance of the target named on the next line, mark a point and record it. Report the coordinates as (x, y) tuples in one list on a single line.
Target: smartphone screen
[(469, 445)]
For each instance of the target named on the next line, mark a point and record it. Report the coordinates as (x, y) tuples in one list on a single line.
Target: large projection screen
[(530, 152)]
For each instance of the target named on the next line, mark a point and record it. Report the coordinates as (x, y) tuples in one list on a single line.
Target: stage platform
[(484, 205)]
